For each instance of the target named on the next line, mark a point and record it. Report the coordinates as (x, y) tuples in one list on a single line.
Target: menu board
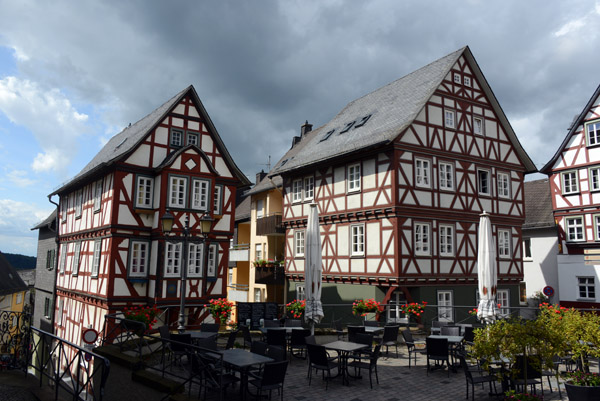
[(258, 312), (244, 312), (272, 311), (255, 311)]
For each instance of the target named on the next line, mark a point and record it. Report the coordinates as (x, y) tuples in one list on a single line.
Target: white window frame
[(422, 173), (445, 301), (504, 244), (177, 138), (195, 135), (456, 78), (586, 288), (76, 259), (78, 203), (594, 178), (449, 118), (173, 252), (199, 193), (258, 251), (354, 177), (309, 188), (177, 191), (299, 236), (260, 208), (569, 181), (258, 295), (218, 200), (467, 81), (503, 299), (478, 126), (47, 307), (480, 186), (446, 234), (592, 133), (503, 184), (139, 257), (446, 176), (144, 186), (64, 205), (574, 225), (61, 306), (213, 261), (98, 195), (195, 259), (50, 255), (62, 264), (297, 190), (357, 240), (422, 239), (300, 292), (96, 258), (527, 255)]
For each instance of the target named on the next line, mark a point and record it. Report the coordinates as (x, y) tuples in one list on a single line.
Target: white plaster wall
[(569, 268), (542, 269)]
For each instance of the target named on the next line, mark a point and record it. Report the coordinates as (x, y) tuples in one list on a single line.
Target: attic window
[(347, 127), (327, 135), (363, 121), (121, 143), (283, 162), (176, 138)]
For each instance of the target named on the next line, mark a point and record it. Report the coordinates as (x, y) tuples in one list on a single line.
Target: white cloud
[(49, 115), (16, 220), (19, 178), (575, 25)]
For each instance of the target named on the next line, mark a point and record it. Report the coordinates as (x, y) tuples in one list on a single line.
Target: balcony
[(270, 225), (269, 275), (239, 253)]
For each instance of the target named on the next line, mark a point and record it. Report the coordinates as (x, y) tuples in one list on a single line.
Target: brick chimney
[(260, 176), (305, 128)]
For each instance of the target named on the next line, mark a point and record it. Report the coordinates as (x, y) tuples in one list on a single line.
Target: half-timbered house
[(112, 252), (574, 174), (400, 177)]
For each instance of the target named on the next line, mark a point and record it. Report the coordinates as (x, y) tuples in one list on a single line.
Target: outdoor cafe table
[(201, 335), (242, 360), (344, 348), (373, 329), (288, 330)]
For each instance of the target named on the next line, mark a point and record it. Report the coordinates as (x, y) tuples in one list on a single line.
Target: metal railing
[(14, 338), (66, 367)]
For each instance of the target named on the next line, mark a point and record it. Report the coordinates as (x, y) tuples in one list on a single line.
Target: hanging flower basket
[(360, 307), (296, 308), (145, 315), (220, 309)]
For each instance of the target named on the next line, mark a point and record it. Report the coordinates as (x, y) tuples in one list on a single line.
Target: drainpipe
[(56, 240)]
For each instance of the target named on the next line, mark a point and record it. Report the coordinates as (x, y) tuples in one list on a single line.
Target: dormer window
[(457, 79), (467, 81), (326, 136), (192, 138), (176, 138), (347, 127), (363, 121)]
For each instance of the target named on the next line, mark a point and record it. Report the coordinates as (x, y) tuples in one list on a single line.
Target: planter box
[(582, 393), (269, 275)]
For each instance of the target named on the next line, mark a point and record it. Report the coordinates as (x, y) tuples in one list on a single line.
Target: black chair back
[(210, 327), (164, 332), (390, 333), (246, 334), (276, 337), (276, 352), (375, 355), (439, 323), (533, 370), (299, 337), (364, 338), (437, 347), (469, 334), (317, 355), (207, 343), (371, 323), (180, 342), (353, 331), (450, 331), (274, 373), (271, 323), (293, 323), (231, 339), (407, 335), (259, 347), (310, 340)]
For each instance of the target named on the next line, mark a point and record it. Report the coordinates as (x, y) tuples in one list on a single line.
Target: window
[(63, 259), (50, 259), (61, 305), (354, 177), (457, 78), (64, 204), (483, 179), (445, 306), (176, 138), (138, 259), (569, 182), (47, 307), (76, 259), (449, 119), (587, 289), (422, 173), (325, 137), (19, 298), (196, 250), (177, 191), (446, 240), (192, 138), (299, 243), (422, 244), (309, 188), (96, 261), (347, 127), (446, 176), (300, 293), (258, 251), (523, 293), (211, 269), (503, 185), (527, 248), (257, 295), (357, 233), (259, 208), (218, 200), (594, 179), (97, 195), (574, 228), (78, 203), (363, 121), (172, 259), (230, 276), (143, 197), (478, 125), (503, 298), (297, 191), (467, 81), (200, 190), (593, 133), (504, 244)]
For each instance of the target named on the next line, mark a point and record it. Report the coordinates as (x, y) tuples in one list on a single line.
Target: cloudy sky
[(74, 73)]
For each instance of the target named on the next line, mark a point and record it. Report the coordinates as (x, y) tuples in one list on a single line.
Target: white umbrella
[(486, 271), (313, 271)]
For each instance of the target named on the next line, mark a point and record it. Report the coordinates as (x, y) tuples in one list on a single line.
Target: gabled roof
[(47, 222), (125, 142), (10, 281), (538, 205), (389, 111), (547, 169)]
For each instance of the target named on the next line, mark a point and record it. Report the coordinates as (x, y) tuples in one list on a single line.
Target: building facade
[(574, 175), (112, 252), (400, 177)]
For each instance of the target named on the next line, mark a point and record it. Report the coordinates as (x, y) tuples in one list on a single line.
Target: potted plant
[(220, 309), (413, 309), (513, 395), (296, 308), (142, 314), (260, 263), (360, 307), (582, 386)]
